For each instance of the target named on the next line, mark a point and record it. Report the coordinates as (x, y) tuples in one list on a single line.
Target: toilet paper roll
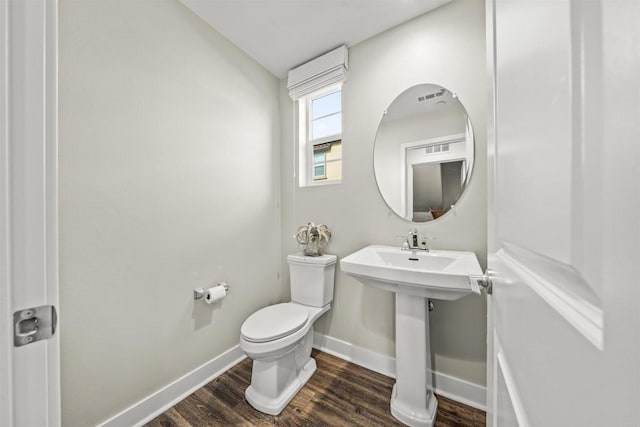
[(214, 294)]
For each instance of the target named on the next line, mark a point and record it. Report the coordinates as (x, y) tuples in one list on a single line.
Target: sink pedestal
[(412, 399), (415, 278)]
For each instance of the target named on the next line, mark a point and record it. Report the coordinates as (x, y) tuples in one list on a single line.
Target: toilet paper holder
[(199, 293)]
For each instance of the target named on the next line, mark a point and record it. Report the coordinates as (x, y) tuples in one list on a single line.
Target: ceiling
[(282, 34)]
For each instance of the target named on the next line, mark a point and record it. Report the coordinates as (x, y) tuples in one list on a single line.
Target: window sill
[(322, 183)]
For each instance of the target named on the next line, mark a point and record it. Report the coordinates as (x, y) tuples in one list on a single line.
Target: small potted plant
[(313, 239)]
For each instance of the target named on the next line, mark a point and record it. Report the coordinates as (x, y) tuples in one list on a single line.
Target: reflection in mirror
[(423, 153), (435, 186)]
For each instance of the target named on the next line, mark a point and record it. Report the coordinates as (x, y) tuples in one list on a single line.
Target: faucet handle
[(423, 241)]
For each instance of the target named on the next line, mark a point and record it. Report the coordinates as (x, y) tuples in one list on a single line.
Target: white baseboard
[(380, 363), (163, 399), (463, 391), (454, 388)]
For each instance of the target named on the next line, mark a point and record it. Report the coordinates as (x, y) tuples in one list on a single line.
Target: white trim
[(30, 375), (447, 139), (463, 391), (6, 350), (322, 182), (377, 362), (492, 375), (163, 399), (512, 390), (585, 317), (51, 206), (457, 389)]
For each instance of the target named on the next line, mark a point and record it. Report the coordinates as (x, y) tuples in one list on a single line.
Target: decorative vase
[(313, 248), (313, 238)]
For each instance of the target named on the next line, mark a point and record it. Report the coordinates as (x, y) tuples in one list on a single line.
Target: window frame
[(306, 144)]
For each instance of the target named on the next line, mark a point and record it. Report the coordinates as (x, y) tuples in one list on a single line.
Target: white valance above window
[(318, 73)]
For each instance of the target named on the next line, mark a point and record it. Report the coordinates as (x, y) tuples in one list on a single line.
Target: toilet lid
[(273, 322)]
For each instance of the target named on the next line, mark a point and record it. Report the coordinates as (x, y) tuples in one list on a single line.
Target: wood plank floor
[(339, 394)]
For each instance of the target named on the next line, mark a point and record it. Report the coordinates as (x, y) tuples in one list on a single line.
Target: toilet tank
[(312, 279)]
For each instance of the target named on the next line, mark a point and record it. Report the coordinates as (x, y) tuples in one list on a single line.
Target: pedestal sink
[(415, 277)]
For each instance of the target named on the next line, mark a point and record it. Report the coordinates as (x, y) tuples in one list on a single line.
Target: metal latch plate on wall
[(33, 324)]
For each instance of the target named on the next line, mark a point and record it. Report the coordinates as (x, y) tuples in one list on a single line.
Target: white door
[(29, 374), (564, 209)]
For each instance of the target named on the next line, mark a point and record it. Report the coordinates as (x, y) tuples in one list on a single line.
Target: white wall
[(394, 133), (444, 47), (169, 181)]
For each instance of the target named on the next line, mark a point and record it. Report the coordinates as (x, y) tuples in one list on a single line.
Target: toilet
[(278, 338)]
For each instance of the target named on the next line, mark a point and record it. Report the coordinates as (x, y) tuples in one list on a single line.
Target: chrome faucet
[(414, 243)]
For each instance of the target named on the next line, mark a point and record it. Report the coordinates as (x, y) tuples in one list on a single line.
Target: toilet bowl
[(279, 337)]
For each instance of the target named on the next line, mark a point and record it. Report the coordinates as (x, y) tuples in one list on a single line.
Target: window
[(319, 166), (320, 137), (316, 87), (326, 115)]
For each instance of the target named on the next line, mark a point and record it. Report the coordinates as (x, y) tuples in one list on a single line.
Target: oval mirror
[(423, 153)]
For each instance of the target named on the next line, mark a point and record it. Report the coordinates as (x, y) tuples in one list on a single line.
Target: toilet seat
[(274, 322)]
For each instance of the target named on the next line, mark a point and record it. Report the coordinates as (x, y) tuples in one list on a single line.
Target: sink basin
[(436, 274)]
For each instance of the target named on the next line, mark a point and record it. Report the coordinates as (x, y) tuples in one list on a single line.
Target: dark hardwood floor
[(338, 394)]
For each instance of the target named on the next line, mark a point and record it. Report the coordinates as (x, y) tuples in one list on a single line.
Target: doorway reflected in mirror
[(423, 153)]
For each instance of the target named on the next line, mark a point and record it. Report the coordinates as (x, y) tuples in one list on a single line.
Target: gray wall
[(445, 47), (169, 181), (451, 183), (427, 187)]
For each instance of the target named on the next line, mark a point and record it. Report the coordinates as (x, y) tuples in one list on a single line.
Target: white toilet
[(279, 338)]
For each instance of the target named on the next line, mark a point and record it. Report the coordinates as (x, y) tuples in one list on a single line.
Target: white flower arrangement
[(312, 238)]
